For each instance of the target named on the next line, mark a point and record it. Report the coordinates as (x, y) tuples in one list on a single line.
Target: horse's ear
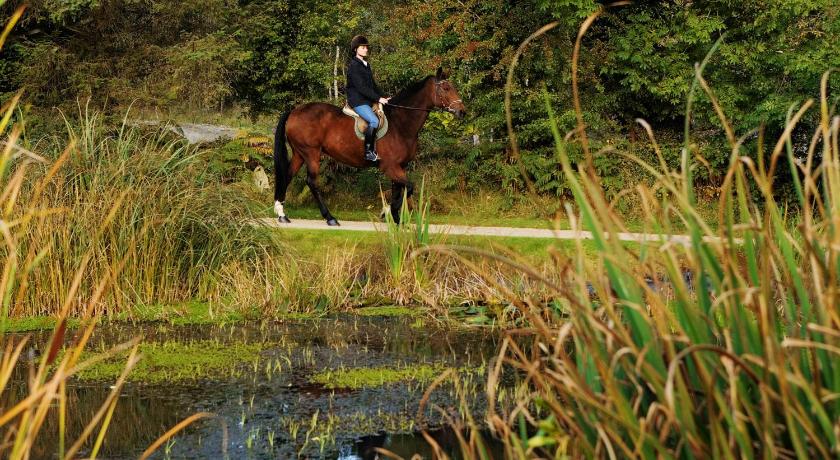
[(440, 75)]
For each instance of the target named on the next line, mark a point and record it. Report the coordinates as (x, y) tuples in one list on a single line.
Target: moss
[(178, 362), (368, 377), (388, 310), (33, 323)]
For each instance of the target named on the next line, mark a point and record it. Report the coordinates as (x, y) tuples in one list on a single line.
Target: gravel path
[(475, 231)]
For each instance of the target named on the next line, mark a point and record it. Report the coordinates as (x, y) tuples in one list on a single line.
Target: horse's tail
[(281, 159)]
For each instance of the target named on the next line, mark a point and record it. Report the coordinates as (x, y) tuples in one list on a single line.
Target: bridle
[(448, 107)]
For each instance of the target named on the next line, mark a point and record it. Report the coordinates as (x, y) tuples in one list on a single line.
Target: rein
[(437, 91), (411, 108)]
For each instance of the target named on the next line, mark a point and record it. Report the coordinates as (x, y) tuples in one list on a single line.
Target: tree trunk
[(335, 73)]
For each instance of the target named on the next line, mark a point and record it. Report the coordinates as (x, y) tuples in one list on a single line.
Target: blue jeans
[(366, 112)]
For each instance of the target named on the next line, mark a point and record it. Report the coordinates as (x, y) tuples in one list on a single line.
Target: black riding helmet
[(358, 41)]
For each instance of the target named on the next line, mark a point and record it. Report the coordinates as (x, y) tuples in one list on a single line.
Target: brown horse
[(316, 128)]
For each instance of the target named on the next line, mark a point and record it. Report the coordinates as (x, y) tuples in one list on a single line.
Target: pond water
[(328, 388)]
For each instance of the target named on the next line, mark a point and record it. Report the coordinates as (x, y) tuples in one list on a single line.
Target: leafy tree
[(292, 50), (769, 59), (269, 55)]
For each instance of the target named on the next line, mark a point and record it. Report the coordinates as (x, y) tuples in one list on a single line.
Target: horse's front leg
[(399, 184), (395, 205), (396, 200)]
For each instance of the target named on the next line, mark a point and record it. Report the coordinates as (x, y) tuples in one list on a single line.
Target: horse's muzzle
[(459, 114)]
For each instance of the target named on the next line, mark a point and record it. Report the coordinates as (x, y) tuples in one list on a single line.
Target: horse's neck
[(410, 122)]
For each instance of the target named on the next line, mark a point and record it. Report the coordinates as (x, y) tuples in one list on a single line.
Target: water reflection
[(407, 445), (270, 408)]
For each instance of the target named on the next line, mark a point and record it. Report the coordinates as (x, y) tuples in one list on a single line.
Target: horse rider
[(362, 92)]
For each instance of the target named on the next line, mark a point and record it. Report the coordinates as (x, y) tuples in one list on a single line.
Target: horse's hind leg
[(312, 168), (280, 200), (294, 167)]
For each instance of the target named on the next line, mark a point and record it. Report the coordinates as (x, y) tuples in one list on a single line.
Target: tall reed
[(401, 239), (724, 347), (24, 208), (22, 416), (176, 225)]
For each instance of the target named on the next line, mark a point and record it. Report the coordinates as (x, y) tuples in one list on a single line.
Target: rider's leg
[(366, 112)]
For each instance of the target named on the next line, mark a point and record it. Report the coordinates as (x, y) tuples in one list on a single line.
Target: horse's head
[(446, 96)]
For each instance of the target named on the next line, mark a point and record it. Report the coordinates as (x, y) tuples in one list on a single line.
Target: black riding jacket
[(361, 89)]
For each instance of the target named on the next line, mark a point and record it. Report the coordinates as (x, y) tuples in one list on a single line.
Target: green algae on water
[(178, 362), (34, 323), (367, 377)]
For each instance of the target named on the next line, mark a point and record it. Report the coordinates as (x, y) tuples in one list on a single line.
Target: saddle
[(361, 124)]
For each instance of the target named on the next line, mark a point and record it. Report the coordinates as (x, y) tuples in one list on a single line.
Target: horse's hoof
[(333, 223), (284, 220)]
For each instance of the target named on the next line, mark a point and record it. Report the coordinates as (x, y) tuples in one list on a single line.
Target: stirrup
[(370, 155)]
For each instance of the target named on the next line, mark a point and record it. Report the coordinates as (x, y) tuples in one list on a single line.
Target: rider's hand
[(384, 100)]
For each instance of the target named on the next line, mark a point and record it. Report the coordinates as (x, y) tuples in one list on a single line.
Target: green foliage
[(155, 53), (636, 63), (200, 72), (233, 159), (770, 58), (292, 47), (64, 11), (267, 55)]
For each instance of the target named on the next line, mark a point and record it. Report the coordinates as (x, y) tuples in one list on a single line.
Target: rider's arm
[(382, 99)]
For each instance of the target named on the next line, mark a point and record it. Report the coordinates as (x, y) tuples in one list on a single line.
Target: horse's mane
[(409, 91)]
